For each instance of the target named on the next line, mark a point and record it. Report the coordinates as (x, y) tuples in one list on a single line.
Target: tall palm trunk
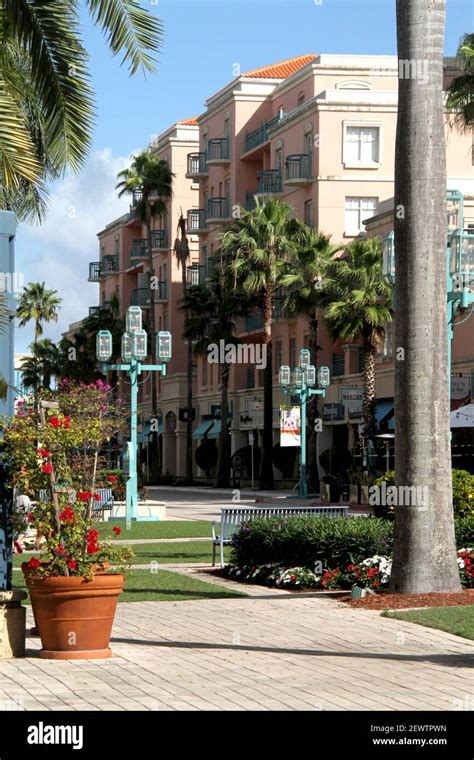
[(266, 470), (424, 550), (369, 399), (223, 461), (189, 395), (313, 474)]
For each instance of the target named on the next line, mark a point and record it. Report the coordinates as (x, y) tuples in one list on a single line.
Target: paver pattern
[(270, 651)]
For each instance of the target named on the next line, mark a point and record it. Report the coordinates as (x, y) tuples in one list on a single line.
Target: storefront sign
[(352, 399), (460, 387), (290, 426), (333, 412)]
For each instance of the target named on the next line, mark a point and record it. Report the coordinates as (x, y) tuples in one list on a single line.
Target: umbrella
[(462, 417)]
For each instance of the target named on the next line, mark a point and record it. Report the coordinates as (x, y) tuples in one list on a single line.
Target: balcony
[(217, 210), (161, 290), (197, 165), (254, 321), (140, 297), (109, 265), (211, 263), (94, 272), (196, 222), (196, 274), (298, 169), (159, 240), (269, 182), (261, 135), (94, 310), (139, 251), (218, 151)]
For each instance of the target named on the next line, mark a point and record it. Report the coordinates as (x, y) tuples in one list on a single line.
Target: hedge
[(335, 542)]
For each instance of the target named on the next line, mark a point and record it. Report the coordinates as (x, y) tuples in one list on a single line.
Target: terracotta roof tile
[(280, 70), (189, 122)]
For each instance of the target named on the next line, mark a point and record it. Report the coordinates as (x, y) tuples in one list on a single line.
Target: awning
[(203, 428), (384, 412), (462, 417), (144, 435), (215, 430)]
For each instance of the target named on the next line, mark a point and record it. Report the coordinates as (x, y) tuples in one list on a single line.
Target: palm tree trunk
[(313, 474), (424, 550), (189, 395), (369, 399), (223, 461), (266, 470)]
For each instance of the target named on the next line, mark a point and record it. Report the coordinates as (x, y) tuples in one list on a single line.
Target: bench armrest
[(213, 528)]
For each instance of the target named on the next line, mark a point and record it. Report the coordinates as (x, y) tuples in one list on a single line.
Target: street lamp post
[(459, 266), (134, 352), (303, 386)]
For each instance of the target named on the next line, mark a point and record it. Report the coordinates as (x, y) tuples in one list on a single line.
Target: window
[(281, 112), (165, 320), (250, 377), (337, 365), (356, 211), (279, 159), (387, 349), (292, 352), (204, 372), (278, 356), (308, 213), (227, 189), (300, 100), (361, 145), (117, 243)]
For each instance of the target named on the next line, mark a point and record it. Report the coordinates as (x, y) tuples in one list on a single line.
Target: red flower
[(92, 548), (112, 478), (47, 468), (84, 495), (292, 577), (92, 534), (44, 453), (97, 496), (72, 564), (118, 531), (67, 516), (34, 563), (60, 549), (30, 516), (55, 422), (67, 423)]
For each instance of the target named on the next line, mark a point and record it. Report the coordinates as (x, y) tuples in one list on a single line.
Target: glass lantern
[(104, 345), (310, 373), (388, 250), (461, 259), (126, 351), (298, 377), (163, 346), (284, 375), (305, 358), (323, 377), (134, 319), (139, 344)]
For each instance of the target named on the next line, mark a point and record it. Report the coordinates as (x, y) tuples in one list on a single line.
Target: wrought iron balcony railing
[(217, 208), (298, 168), (262, 134), (159, 239), (196, 220), (197, 165), (269, 181), (218, 150)]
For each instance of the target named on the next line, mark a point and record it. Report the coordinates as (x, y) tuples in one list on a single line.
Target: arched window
[(300, 99), (354, 84)]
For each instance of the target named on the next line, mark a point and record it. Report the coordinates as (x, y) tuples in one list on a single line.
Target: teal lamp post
[(460, 268), (304, 387), (133, 352)]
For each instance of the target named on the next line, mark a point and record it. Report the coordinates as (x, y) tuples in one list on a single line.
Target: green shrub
[(335, 542), (463, 492)]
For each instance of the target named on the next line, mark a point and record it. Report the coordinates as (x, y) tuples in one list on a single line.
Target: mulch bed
[(402, 601)]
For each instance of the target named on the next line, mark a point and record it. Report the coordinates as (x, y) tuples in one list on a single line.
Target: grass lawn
[(160, 529), (162, 586), (456, 620), (188, 551)]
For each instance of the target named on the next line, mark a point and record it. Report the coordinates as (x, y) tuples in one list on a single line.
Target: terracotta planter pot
[(75, 616)]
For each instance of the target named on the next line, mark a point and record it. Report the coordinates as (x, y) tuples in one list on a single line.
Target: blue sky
[(203, 42)]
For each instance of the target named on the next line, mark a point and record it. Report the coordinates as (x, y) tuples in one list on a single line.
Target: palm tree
[(149, 181), (357, 306), (182, 253), (46, 101), (258, 246), (3, 328), (310, 259), (461, 89), (210, 312), (38, 304), (424, 557), (43, 364)]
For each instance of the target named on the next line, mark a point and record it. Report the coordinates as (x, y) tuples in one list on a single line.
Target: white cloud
[(59, 251)]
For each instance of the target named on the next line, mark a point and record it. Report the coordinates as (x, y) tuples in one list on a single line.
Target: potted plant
[(55, 452), (73, 594)]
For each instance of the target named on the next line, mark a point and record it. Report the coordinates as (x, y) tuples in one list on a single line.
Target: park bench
[(99, 506), (233, 517)]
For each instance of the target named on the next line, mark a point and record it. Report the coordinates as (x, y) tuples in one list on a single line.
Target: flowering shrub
[(332, 579), (73, 546), (466, 566), (373, 572), (298, 578)]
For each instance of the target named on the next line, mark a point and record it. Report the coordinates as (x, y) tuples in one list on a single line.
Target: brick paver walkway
[(265, 652)]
